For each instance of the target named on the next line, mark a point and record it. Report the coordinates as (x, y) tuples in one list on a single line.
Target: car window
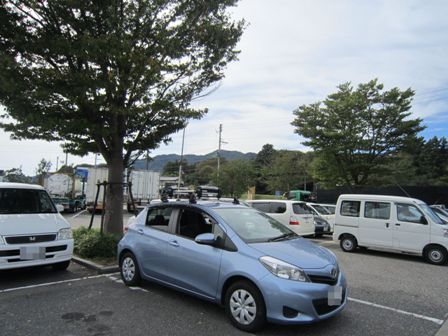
[(25, 201), (301, 209), (265, 206), (430, 213), (193, 223), (408, 213), (277, 207), (159, 218), (350, 208), (377, 210), (321, 210)]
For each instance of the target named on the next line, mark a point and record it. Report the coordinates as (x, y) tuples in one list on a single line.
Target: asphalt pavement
[(389, 295)]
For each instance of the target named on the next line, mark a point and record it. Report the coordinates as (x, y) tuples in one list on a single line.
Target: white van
[(399, 224), (32, 232), (295, 215)]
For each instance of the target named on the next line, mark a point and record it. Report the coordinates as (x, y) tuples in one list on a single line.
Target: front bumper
[(292, 302), (53, 252)]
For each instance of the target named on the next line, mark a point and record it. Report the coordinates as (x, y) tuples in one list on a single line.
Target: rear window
[(301, 209), (25, 201), (350, 208)]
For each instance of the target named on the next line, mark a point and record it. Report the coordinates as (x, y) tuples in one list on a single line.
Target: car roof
[(204, 204), (274, 200), (381, 197), (11, 185)]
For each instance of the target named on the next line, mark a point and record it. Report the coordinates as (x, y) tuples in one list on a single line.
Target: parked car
[(441, 212), (331, 208), (235, 256), (399, 224), (70, 205), (32, 232), (321, 226), (295, 215), (321, 211)]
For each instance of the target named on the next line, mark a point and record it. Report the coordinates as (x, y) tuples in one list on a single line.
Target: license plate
[(32, 252), (335, 296)]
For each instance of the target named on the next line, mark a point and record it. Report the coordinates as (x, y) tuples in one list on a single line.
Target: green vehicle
[(299, 195)]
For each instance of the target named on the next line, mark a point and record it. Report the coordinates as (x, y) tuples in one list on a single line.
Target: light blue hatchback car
[(236, 256)]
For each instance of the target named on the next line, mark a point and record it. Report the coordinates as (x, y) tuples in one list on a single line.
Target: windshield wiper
[(283, 237)]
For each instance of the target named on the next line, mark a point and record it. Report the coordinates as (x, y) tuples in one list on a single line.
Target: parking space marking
[(118, 280), (74, 216), (423, 317), (53, 283)]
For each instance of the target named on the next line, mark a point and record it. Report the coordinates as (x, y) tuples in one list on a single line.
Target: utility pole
[(219, 154), (180, 164)]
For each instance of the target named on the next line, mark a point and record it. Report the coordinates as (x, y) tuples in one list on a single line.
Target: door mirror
[(205, 239), (423, 220)]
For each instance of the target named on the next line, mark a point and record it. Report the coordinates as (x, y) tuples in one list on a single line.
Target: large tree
[(114, 77), (355, 131)]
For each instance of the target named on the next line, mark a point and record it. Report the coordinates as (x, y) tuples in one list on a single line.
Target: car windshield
[(430, 213), (330, 208), (254, 226), (25, 201), (321, 210)]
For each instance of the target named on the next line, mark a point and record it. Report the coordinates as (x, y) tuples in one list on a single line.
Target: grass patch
[(93, 245)]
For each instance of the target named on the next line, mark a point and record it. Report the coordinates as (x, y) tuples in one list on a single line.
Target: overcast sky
[(296, 52)]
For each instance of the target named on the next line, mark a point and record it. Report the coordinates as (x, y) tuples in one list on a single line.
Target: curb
[(94, 266), (443, 331)]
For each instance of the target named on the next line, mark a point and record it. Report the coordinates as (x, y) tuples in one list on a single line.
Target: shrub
[(92, 244)]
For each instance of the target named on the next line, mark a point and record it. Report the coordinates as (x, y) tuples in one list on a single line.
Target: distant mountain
[(158, 162)]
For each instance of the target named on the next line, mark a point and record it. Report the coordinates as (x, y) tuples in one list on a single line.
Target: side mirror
[(423, 220), (59, 207), (205, 239)]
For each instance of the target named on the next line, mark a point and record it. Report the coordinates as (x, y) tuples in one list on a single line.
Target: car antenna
[(235, 201), (192, 199)]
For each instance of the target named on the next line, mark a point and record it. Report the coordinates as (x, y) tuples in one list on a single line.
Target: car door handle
[(387, 225), (174, 243), (397, 224), (140, 231)]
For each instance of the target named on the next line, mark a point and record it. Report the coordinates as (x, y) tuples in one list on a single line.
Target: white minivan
[(321, 211), (295, 215), (32, 231), (399, 224)]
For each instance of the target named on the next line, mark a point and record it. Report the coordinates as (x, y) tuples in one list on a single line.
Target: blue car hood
[(298, 252)]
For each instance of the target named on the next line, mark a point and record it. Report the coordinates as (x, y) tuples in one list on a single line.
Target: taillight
[(293, 221), (125, 229)]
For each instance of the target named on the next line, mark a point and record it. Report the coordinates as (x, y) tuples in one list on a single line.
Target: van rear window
[(377, 210), (25, 201), (301, 209), (350, 208)]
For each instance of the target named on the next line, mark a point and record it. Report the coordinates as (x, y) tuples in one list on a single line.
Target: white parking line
[(52, 283), (423, 317), (74, 216)]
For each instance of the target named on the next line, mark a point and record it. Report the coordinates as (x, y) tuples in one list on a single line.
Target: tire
[(245, 306), (129, 271), (348, 243), (62, 266), (435, 255)]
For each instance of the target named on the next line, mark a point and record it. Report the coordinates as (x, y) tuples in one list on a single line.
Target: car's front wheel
[(245, 306), (129, 270), (348, 243), (436, 255)]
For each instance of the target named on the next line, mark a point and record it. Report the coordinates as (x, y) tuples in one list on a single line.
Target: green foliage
[(114, 77), (236, 177), (16, 175), (354, 132), (92, 244)]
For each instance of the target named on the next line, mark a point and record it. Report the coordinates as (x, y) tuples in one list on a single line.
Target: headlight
[(2, 242), (64, 234), (283, 269)]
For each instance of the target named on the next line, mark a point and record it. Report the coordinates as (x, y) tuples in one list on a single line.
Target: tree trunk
[(113, 222)]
